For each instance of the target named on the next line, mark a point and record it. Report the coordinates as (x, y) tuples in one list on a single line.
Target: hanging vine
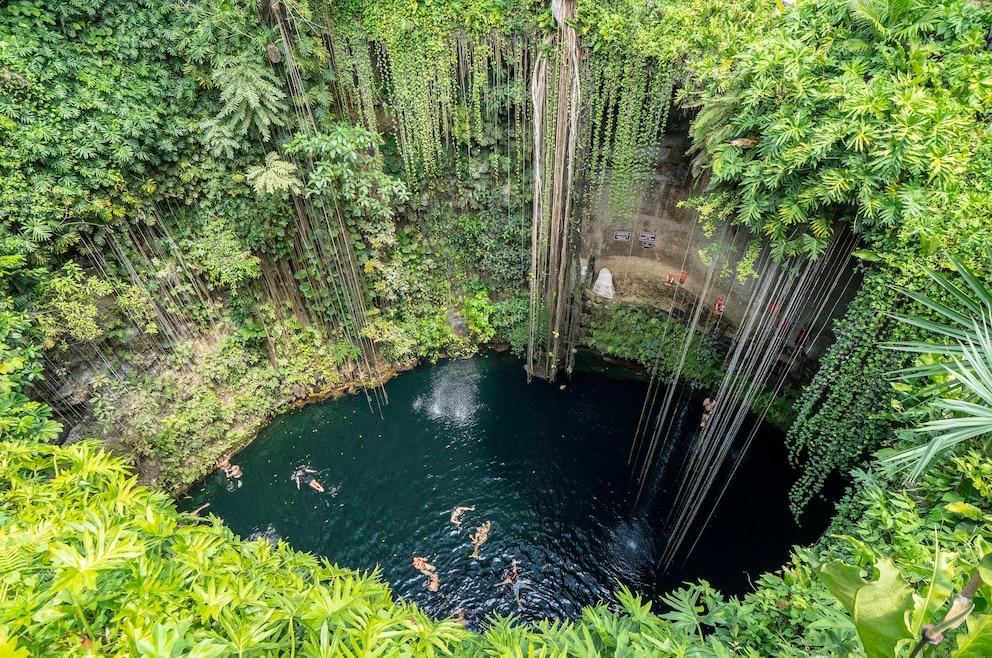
[(556, 95)]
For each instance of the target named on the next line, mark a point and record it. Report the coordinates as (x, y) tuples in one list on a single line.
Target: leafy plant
[(276, 176), (222, 256), (647, 336), (251, 96), (478, 311), (843, 414), (881, 609), (510, 319), (952, 379), (844, 112), (68, 301)]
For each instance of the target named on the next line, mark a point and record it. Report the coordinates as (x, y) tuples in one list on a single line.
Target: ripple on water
[(453, 397), (632, 551)]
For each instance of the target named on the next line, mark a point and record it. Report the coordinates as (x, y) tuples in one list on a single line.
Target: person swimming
[(511, 575), (458, 512), (433, 582), (480, 537), (517, 586), (422, 565), (305, 475)]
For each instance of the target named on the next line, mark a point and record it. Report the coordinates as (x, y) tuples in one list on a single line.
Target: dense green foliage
[(211, 210), (646, 336), (865, 113)]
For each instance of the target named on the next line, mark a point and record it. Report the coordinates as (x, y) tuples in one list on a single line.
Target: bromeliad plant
[(950, 386)]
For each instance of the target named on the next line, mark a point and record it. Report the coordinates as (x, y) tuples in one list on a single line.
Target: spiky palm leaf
[(957, 371), (957, 329)]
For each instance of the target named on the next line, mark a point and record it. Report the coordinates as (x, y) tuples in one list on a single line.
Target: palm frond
[(963, 398)]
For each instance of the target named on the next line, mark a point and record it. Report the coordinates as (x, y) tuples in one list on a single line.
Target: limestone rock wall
[(663, 240)]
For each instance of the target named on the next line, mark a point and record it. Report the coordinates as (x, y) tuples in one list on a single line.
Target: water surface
[(544, 463)]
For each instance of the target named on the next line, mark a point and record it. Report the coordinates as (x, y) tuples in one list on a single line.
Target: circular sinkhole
[(545, 465)]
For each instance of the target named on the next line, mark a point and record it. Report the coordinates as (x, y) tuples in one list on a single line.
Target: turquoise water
[(545, 464)]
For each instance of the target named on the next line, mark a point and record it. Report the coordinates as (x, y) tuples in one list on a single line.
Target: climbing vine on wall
[(630, 97), (845, 413)]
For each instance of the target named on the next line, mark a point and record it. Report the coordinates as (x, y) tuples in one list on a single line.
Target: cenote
[(545, 463)]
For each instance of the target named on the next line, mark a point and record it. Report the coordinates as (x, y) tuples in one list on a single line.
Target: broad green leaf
[(866, 255), (977, 642), (966, 510), (878, 608), (880, 611), (985, 569), (843, 581), (938, 590), (207, 649), (8, 646)]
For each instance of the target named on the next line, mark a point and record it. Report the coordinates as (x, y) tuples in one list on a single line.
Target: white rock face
[(604, 284)]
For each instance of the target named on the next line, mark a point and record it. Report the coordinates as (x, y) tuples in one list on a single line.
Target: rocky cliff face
[(661, 255)]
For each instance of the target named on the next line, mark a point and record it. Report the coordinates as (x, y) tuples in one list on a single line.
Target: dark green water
[(546, 466)]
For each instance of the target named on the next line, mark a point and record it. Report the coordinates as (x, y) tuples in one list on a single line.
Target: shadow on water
[(545, 464)]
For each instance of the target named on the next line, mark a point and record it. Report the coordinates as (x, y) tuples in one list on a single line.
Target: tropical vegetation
[(212, 211)]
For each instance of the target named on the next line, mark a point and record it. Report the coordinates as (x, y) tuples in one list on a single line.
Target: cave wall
[(675, 240)]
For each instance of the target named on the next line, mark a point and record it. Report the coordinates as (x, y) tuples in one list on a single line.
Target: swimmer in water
[(423, 566), (433, 582), (305, 475), (517, 586), (511, 576), (458, 512), (480, 537)]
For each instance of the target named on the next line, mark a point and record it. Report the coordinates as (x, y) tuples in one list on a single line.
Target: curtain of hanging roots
[(789, 296), (555, 97), (346, 291)]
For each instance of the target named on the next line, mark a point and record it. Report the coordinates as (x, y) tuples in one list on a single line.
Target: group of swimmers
[(301, 474), (479, 537)]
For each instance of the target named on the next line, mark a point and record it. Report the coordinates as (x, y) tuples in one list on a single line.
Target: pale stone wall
[(640, 273)]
